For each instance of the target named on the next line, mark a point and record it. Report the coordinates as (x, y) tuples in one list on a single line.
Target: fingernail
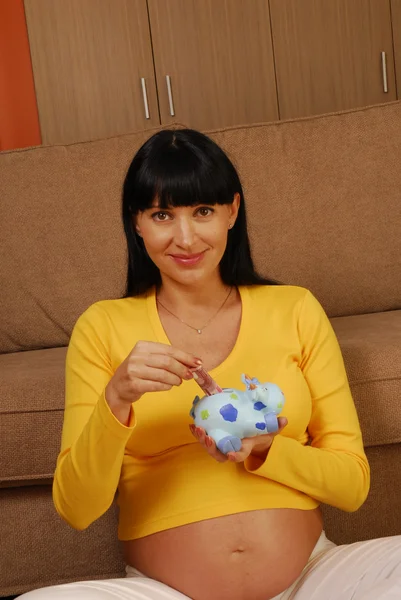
[(192, 429), (232, 458), (198, 361), (189, 375), (209, 442)]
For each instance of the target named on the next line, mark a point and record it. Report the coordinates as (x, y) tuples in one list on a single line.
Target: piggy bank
[(234, 414)]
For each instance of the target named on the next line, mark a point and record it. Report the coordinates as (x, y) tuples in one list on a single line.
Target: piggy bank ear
[(194, 403), (247, 380)]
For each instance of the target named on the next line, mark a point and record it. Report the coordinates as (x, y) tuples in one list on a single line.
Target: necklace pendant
[(199, 330)]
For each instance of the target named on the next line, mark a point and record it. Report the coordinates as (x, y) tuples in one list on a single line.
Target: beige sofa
[(324, 205)]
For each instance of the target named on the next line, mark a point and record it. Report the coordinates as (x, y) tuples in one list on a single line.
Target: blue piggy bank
[(233, 414)]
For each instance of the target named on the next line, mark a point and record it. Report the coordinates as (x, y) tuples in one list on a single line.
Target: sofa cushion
[(62, 240), (39, 549), (323, 198), (32, 405), (32, 391), (371, 346), (379, 516)]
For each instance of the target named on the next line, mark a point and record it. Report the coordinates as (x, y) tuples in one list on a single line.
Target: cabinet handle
[(170, 95), (145, 98), (384, 70)]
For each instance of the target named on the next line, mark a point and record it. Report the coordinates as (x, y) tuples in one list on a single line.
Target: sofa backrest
[(323, 197)]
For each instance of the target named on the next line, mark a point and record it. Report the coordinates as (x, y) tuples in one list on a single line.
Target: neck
[(202, 295)]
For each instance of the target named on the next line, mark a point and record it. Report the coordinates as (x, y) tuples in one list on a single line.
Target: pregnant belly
[(248, 556)]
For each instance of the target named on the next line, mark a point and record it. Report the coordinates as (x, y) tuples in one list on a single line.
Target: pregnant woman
[(196, 523)]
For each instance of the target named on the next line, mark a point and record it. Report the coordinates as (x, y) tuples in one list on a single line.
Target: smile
[(187, 260)]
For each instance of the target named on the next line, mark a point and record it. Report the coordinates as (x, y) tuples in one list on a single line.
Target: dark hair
[(184, 168)]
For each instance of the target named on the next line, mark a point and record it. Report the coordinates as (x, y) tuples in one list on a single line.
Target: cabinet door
[(396, 21), (89, 57), (219, 58), (328, 54)]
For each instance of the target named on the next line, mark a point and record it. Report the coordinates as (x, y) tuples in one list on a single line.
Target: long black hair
[(183, 167)]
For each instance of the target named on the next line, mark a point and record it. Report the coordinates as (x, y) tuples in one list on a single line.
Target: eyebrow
[(158, 207)]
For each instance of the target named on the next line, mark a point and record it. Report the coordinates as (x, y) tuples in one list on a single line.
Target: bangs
[(180, 175)]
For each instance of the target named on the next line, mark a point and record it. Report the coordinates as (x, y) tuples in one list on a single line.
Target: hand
[(257, 446), (150, 367)]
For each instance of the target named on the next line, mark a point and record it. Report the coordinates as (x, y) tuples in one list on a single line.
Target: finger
[(186, 358), (244, 451), (208, 443), (164, 362), (232, 456), (251, 443), (257, 445), (140, 372), (198, 433), (257, 440), (282, 422), (237, 457), (213, 450), (144, 386), (201, 435)]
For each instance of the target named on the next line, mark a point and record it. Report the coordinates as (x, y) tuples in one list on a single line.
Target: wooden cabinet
[(89, 58), (216, 63), (218, 57), (328, 54)]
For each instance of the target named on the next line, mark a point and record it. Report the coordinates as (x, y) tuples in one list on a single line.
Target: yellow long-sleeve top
[(164, 477)]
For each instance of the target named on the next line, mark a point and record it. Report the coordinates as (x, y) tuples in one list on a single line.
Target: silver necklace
[(200, 329)]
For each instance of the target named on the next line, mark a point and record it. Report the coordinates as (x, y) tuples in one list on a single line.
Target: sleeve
[(333, 469), (93, 440)]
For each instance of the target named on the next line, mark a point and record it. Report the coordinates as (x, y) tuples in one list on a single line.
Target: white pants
[(362, 571)]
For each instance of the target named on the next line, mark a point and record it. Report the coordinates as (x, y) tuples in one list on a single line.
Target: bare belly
[(248, 556)]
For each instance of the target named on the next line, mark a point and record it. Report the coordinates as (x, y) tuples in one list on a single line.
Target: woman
[(196, 523)]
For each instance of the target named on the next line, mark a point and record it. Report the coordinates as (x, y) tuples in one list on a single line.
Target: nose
[(184, 232)]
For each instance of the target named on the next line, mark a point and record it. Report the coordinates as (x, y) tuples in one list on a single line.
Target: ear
[(136, 225), (246, 379), (233, 208)]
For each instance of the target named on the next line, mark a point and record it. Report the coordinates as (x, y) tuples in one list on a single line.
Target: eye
[(160, 216), (205, 211)]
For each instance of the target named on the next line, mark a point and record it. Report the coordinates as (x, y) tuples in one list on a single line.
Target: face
[(187, 243)]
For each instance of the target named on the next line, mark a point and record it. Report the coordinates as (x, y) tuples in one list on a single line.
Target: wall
[(19, 121)]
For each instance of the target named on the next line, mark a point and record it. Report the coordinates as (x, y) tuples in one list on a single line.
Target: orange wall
[(19, 121)]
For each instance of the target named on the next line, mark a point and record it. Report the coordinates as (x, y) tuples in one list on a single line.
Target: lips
[(187, 259)]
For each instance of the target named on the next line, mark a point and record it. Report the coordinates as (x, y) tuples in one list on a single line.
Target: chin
[(189, 276), (190, 279)]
